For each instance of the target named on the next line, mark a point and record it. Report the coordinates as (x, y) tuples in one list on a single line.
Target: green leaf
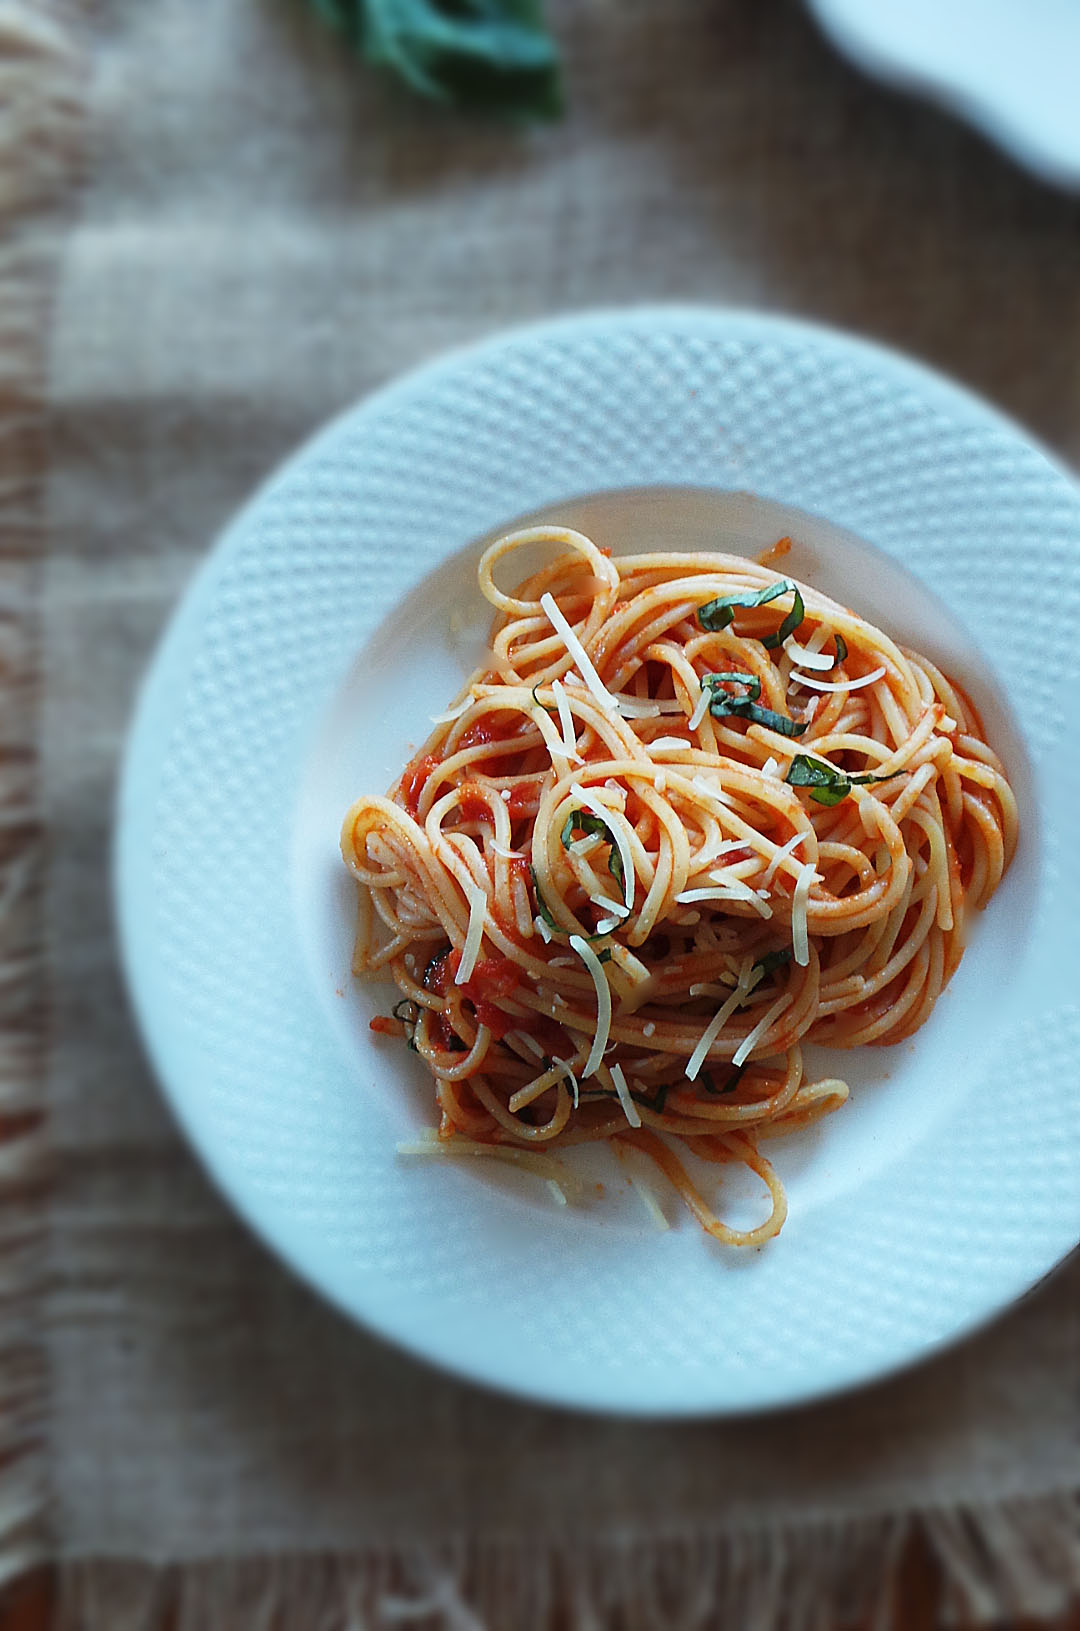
[(788, 626), (827, 784), (488, 56), (717, 614), (724, 703), (774, 960), (841, 650), (749, 682), (582, 824), (705, 1078), (541, 904)]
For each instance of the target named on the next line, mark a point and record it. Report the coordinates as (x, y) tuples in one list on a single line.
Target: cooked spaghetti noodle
[(690, 815)]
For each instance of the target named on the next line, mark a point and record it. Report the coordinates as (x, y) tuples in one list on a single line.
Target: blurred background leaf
[(486, 56)]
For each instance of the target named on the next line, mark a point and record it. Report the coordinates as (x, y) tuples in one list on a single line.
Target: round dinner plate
[(339, 612)]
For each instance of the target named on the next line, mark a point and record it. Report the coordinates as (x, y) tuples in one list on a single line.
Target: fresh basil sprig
[(717, 614), (826, 783), (581, 824), (773, 960), (488, 56)]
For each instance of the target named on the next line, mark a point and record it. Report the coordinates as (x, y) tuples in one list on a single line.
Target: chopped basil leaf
[(541, 904), (774, 960), (749, 682), (841, 650), (789, 625), (602, 956), (827, 784), (582, 824), (729, 1086), (717, 614), (411, 1012), (724, 703), (485, 56), (540, 704)]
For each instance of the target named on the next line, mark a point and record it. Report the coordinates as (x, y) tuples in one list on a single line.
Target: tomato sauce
[(413, 782)]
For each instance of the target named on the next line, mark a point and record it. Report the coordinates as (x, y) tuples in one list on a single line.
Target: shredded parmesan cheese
[(785, 849), (622, 843), (771, 767), (629, 1107), (636, 707), (453, 713), (603, 1003), (805, 658), (644, 1191), (477, 908), (566, 720), (577, 651), (748, 978), (701, 708), (839, 685), (668, 744), (800, 936), (750, 1042), (717, 794), (607, 905), (564, 1065)]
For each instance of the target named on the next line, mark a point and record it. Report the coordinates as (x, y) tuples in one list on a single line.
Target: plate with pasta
[(592, 862)]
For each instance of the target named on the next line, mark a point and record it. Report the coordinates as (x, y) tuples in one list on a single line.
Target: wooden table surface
[(29, 1605)]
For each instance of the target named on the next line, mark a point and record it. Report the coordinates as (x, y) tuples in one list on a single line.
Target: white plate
[(307, 660), (1009, 66)]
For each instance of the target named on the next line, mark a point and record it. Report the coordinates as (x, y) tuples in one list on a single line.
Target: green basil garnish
[(826, 783), (541, 904), (841, 649), (789, 625), (773, 960), (582, 823), (729, 1086), (717, 614), (749, 682), (724, 703)]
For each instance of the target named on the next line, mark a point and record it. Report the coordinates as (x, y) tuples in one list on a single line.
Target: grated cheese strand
[(748, 978), (621, 1088), (750, 1042), (800, 935), (477, 909), (603, 1003), (804, 657), (566, 720), (577, 651), (838, 685), (701, 707), (785, 850)]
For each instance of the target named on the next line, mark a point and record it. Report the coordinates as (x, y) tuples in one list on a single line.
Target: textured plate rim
[(153, 701)]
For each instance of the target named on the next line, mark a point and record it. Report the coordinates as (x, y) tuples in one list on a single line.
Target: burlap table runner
[(262, 234)]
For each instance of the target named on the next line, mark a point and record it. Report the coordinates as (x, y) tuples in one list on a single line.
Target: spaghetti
[(690, 815)]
